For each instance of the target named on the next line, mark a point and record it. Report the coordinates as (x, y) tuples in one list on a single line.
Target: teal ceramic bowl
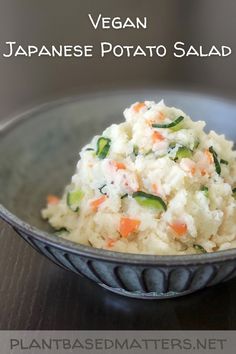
[(39, 150)]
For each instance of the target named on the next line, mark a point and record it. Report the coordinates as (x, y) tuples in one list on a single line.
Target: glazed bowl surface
[(39, 151)]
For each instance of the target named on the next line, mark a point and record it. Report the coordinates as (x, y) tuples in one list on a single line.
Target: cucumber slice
[(62, 231), (224, 162), (148, 152), (183, 152), (196, 143), (174, 126), (73, 199), (205, 190), (101, 189), (234, 193), (216, 161), (149, 201), (135, 150), (103, 146), (199, 248)]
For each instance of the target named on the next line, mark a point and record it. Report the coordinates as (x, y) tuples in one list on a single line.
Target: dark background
[(34, 293)]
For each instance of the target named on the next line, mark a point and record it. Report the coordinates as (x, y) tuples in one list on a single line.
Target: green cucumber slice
[(183, 152), (135, 150), (196, 143), (101, 189), (234, 193), (148, 152), (103, 146), (216, 161), (61, 231), (224, 162), (174, 126), (73, 199), (205, 190), (199, 248), (149, 201)]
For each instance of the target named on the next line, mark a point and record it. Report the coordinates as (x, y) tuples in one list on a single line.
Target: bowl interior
[(39, 153)]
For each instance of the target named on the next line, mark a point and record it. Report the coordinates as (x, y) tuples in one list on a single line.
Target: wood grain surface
[(36, 294)]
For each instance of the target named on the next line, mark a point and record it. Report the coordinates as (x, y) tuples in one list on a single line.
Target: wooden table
[(36, 294)]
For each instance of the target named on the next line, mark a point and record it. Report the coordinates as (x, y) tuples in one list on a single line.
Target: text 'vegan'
[(117, 22)]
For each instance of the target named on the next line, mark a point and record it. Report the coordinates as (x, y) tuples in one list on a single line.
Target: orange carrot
[(161, 116), (188, 166), (110, 242), (52, 199), (97, 202), (179, 228), (119, 165), (155, 188), (203, 172), (138, 106), (156, 136), (128, 226), (193, 170), (209, 156)]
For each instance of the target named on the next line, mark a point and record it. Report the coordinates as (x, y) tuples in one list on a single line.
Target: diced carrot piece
[(203, 172), (161, 116), (138, 106), (156, 136), (193, 170), (119, 165), (52, 199), (188, 165), (110, 242), (97, 202), (155, 188), (179, 228), (209, 156), (128, 226)]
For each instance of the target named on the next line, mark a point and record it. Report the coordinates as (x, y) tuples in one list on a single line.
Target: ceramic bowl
[(39, 150)]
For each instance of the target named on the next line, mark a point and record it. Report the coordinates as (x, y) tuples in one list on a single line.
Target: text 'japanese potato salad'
[(155, 184)]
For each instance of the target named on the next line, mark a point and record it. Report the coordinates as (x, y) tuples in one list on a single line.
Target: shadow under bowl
[(39, 151)]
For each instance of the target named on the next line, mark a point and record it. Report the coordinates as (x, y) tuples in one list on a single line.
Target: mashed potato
[(155, 184)]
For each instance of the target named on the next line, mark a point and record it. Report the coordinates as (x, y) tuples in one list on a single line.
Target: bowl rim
[(96, 253)]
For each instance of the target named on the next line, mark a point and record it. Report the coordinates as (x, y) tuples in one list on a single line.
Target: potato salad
[(154, 184)]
